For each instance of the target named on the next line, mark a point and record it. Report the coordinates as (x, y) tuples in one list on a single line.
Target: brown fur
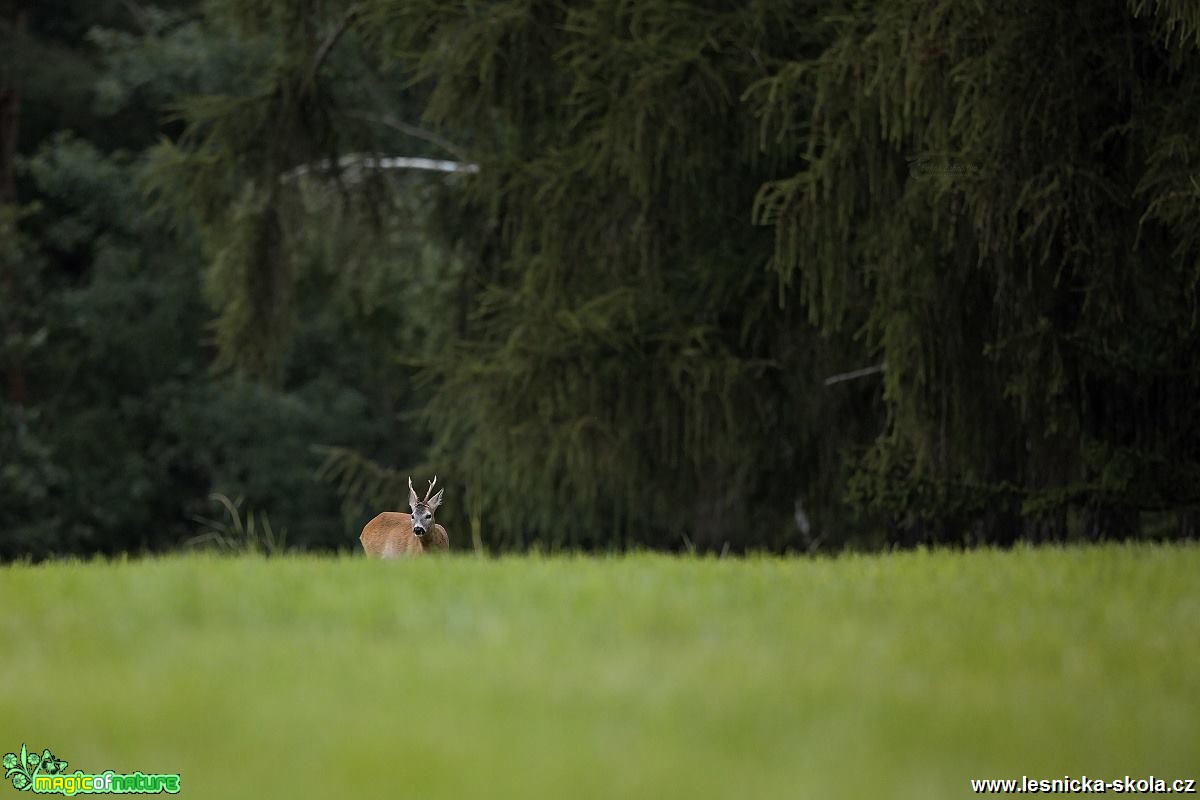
[(390, 535)]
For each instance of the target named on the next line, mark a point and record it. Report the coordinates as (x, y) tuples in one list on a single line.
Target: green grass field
[(898, 676)]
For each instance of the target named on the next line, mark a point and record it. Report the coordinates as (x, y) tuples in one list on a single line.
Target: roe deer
[(394, 534)]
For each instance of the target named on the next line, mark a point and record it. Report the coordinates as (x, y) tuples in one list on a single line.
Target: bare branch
[(354, 164), (414, 131), (853, 375), (332, 39)]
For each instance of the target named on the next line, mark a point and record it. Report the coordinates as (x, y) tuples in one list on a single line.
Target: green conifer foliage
[(1033, 298), (686, 214), (629, 374)]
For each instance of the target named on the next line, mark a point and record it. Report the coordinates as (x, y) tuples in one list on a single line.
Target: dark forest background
[(750, 275)]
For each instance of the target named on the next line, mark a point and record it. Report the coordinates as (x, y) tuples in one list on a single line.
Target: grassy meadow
[(899, 676)]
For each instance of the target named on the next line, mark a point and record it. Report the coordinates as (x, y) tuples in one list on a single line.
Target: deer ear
[(412, 495), (435, 501)]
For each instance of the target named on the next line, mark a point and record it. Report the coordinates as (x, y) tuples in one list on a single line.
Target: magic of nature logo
[(47, 774)]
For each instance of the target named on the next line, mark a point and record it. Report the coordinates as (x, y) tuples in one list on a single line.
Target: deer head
[(423, 510)]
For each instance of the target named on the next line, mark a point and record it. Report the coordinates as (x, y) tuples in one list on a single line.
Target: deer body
[(390, 535), (393, 534)]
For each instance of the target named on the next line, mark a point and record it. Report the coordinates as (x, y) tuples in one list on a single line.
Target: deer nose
[(418, 530)]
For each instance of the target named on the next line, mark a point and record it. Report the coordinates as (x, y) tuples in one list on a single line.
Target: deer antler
[(429, 491)]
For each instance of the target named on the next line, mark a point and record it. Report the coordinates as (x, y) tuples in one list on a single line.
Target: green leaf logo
[(50, 765), (23, 768)]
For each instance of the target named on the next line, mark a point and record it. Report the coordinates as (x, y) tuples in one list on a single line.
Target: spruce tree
[(685, 215)]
